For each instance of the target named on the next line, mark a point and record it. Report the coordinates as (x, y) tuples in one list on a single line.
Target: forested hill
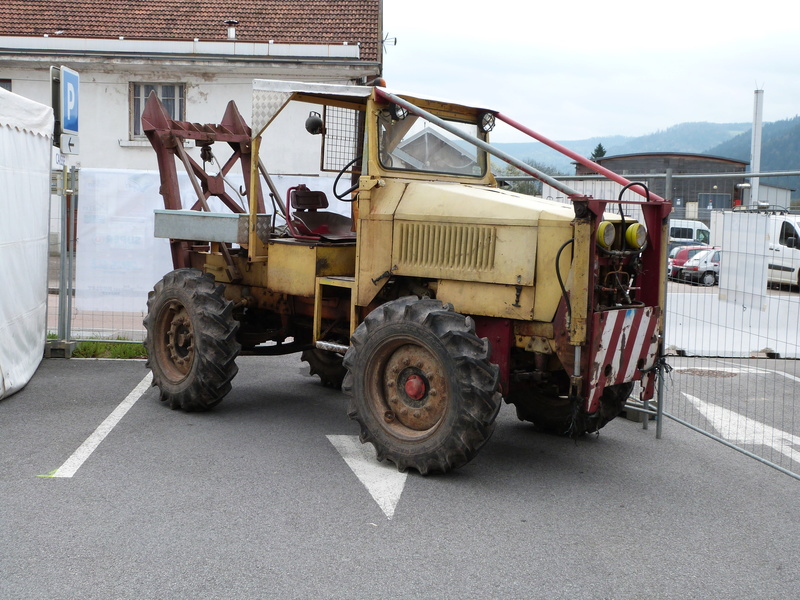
[(780, 151), (686, 137), (780, 146)]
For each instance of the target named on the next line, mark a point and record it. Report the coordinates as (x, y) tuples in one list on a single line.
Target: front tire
[(424, 391), (708, 279), (191, 340)]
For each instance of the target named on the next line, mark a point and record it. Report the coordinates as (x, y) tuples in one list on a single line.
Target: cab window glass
[(414, 144)]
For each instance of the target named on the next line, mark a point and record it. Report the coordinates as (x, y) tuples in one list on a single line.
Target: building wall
[(710, 192), (104, 110), (658, 163)]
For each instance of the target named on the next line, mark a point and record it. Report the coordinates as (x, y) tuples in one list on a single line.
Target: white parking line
[(743, 430), (85, 450), (761, 370), (382, 480), (735, 370)]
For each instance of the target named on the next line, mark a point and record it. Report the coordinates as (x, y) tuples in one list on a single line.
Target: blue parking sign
[(70, 81)]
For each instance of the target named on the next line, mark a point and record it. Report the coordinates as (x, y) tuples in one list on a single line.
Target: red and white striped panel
[(620, 340)]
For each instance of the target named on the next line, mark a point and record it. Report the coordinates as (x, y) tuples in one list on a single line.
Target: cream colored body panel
[(460, 203), (486, 248), (376, 208), (487, 299), (293, 268), (548, 292)]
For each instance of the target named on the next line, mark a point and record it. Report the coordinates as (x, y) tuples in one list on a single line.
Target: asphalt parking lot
[(257, 499)]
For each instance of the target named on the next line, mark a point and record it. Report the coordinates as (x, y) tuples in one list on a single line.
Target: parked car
[(678, 256), (782, 245), (784, 249), (688, 231), (702, 268)]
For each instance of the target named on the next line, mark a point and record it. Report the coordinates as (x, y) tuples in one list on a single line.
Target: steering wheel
[(345, 195)]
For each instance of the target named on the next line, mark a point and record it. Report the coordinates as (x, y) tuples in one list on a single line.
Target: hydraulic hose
[(561, 281)]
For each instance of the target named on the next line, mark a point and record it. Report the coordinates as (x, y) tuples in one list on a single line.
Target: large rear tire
[(191, 340), (424, 391), (327, 365)]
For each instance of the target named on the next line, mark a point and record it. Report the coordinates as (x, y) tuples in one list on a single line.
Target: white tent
[(26, 128)]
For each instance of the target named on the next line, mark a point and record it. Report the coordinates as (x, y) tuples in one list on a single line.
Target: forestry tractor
[(435, 296)]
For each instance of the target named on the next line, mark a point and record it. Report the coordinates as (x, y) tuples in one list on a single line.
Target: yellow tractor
[(431, 298)]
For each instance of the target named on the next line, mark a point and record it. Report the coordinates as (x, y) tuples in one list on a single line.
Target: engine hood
[(459, 203)]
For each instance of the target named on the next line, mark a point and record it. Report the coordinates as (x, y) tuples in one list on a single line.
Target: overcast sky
[(580, 69)]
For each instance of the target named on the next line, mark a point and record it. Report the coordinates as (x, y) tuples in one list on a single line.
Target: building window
[(172, 96), (5, 84)]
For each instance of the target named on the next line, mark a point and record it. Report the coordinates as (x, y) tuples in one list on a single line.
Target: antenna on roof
[(387, 41)]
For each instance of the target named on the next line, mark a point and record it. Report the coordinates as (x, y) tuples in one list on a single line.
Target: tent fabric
[(25, 115), (25, 154)]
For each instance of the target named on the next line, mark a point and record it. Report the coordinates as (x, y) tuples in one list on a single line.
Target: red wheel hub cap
[(415, 387)]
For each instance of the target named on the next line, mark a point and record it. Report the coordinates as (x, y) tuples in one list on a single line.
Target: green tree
[(598, 152)]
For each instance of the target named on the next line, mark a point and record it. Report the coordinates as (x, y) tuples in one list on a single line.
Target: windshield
[(414, 144)]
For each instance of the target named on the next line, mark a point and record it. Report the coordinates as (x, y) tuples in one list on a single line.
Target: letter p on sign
[(70, 84)]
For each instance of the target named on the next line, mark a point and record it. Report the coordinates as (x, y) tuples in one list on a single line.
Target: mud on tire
[(191, 340), (423, 389)]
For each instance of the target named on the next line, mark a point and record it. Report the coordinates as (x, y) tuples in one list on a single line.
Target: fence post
[(62, 347)]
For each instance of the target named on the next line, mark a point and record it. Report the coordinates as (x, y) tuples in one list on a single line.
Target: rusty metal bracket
[(167, 137)]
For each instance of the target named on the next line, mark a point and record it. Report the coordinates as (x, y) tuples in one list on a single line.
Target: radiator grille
[(453, 247)]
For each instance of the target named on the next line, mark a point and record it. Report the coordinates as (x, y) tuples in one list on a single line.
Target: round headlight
[(606, 234), (398, 112), (636, 236), (487, 122)]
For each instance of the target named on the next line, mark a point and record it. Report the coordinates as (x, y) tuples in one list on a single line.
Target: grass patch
[(109, 349)]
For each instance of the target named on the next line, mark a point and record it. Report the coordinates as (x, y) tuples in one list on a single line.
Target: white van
[(686, 231), (783, 264)]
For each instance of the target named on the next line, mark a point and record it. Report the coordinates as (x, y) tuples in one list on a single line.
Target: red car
[(678, 256)]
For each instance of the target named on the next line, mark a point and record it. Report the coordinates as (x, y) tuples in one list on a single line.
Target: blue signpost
[(70, 85)]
